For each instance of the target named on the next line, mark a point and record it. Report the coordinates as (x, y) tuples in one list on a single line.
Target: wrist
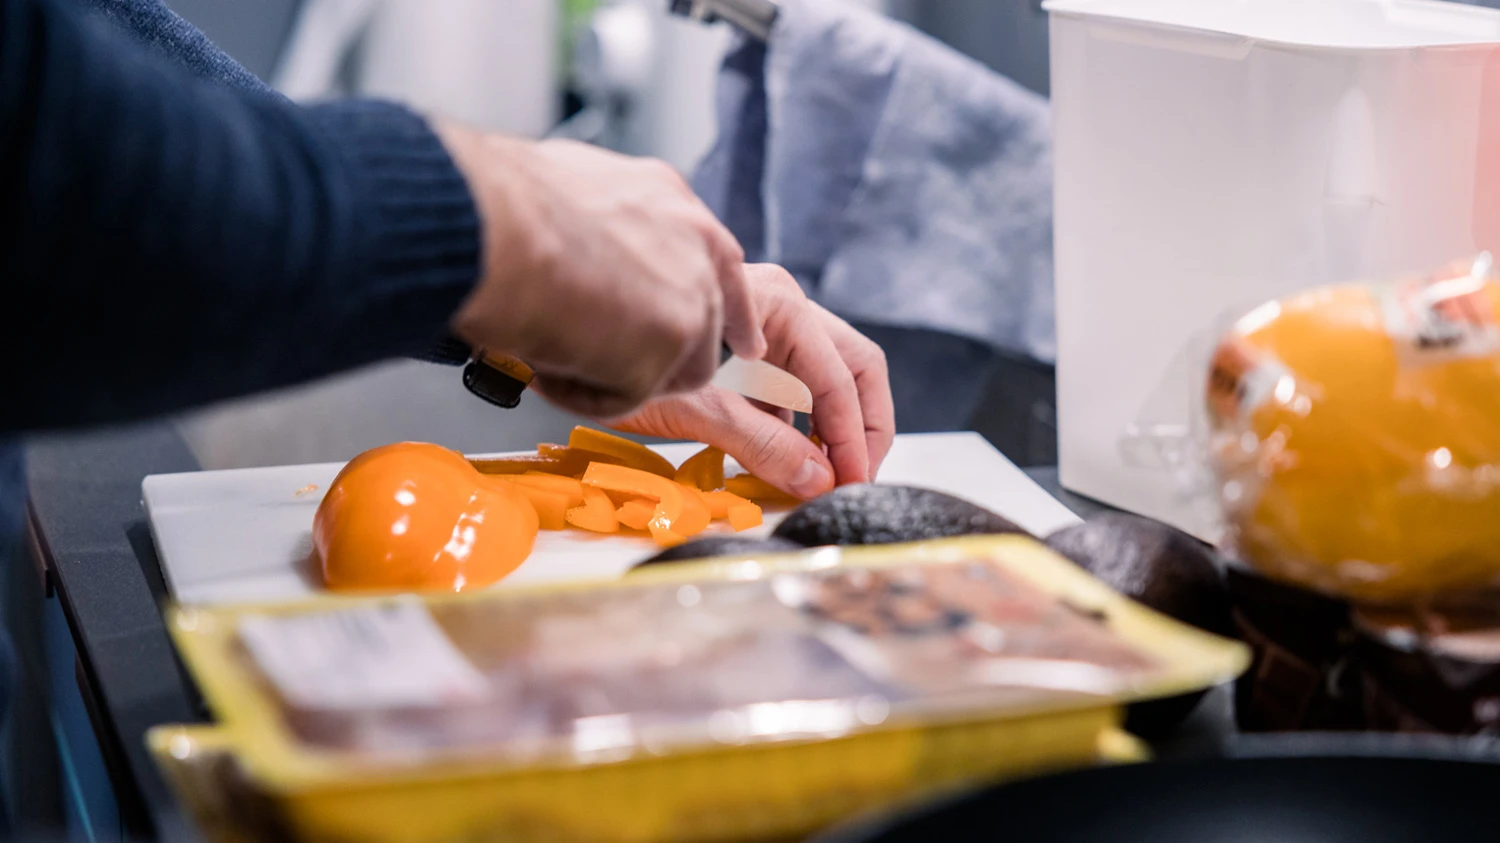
[(513, 247)]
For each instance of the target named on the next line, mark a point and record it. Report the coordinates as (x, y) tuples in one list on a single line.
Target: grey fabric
[(901, 182)]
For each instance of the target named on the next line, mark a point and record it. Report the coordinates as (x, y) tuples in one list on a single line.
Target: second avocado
[(876, 514)]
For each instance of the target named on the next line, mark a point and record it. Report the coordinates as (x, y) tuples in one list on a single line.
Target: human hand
[(603, 272), (853, 413)]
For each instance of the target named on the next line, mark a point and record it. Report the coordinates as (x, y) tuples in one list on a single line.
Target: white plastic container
[(1212, 154)]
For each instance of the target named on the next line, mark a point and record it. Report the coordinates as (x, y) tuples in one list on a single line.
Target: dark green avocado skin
[(709, 546), (876, 514), (1162, 568)]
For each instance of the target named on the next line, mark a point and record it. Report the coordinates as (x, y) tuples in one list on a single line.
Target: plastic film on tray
[(1350, 436), (597, 675)]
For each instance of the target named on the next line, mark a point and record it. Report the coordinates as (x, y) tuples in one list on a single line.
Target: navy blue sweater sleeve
[(171, 240), (165, 33)]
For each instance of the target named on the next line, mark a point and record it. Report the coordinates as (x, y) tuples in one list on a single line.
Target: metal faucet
[(754, 17)]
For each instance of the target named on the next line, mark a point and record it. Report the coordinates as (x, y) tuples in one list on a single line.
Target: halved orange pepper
[(418, 516), (636, 513), (720, 501), (753, 488), (551, 506), (670, 497), (634, 454), (703, 471), (597, 513), (567, 486)]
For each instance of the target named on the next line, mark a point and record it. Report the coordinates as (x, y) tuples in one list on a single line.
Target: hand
[(852, 409), (603, 272)]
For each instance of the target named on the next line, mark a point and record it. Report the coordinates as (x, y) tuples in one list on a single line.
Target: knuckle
[(761, 446)]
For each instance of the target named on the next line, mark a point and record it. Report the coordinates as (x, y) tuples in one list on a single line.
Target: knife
[(500, 380)]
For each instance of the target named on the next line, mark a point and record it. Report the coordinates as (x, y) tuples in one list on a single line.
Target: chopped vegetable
[(597, 513), (632, 454), (704, 470)]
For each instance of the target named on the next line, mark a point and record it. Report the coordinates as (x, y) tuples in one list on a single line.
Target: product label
[(1445, 316), (388, 656), (1242, 378)]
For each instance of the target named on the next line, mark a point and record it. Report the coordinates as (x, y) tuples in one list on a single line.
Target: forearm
[(179, 242)]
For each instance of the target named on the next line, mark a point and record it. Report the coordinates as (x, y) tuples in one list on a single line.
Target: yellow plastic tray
[(766, 791)]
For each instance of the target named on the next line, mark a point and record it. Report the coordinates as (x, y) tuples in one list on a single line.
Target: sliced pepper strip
[(703, 471), (634, 454), (669, 495), (597, 513)]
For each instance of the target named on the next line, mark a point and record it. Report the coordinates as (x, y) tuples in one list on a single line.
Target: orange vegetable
[(743, 516), (636, 513), (417, 516), (671, 498), (720, 501), (549, 459), (519, 465), (551, 506), (703, 470), (753, 488), (695, 513), (575, 460), (597, 513), (631, 454), (664, 536), (566, 486)]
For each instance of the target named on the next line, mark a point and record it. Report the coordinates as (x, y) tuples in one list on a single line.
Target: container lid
[(1315, 23)]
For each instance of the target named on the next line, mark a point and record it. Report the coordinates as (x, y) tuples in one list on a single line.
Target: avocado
[(707, 546), (1162, 568), (875, 514)]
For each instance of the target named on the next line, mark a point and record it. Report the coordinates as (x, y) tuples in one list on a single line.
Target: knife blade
[(760, 380), (500, 380)]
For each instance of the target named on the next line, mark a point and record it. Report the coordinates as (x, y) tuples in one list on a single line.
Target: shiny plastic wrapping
[(738, 699), (1353, 433)]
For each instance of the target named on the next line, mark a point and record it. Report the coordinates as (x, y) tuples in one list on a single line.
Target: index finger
[(806, 351)]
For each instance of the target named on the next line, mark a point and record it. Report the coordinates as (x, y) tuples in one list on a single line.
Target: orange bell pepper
[(632, 454), (703, 471), (720, 501), (636, 513), (551, 506), (566, 486), (743, 516), (520, 465), (417, 516), (671, 498), (695, 513), (753, 488), (597, 513)]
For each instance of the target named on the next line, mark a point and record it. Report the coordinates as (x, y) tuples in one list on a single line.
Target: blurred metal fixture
[(754, 17)]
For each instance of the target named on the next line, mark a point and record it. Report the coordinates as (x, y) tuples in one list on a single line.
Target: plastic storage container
[(739, 699), (1214, 154)]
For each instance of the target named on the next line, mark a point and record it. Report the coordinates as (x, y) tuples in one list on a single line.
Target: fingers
[(872, 381), (763, 443), (800, 343)]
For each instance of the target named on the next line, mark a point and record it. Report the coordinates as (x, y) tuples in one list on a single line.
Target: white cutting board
[(245, 535)]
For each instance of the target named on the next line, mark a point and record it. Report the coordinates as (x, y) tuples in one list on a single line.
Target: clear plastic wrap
[(1350, 436), (734, 699)]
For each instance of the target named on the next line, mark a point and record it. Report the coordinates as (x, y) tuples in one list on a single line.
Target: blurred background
[(630, 77)]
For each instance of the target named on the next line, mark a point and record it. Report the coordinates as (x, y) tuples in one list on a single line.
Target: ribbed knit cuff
[(419, 226)]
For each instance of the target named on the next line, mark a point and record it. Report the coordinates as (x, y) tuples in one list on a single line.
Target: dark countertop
[(93, 536)]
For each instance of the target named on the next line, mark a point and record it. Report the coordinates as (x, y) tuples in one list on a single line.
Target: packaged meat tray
[(736, 699)]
